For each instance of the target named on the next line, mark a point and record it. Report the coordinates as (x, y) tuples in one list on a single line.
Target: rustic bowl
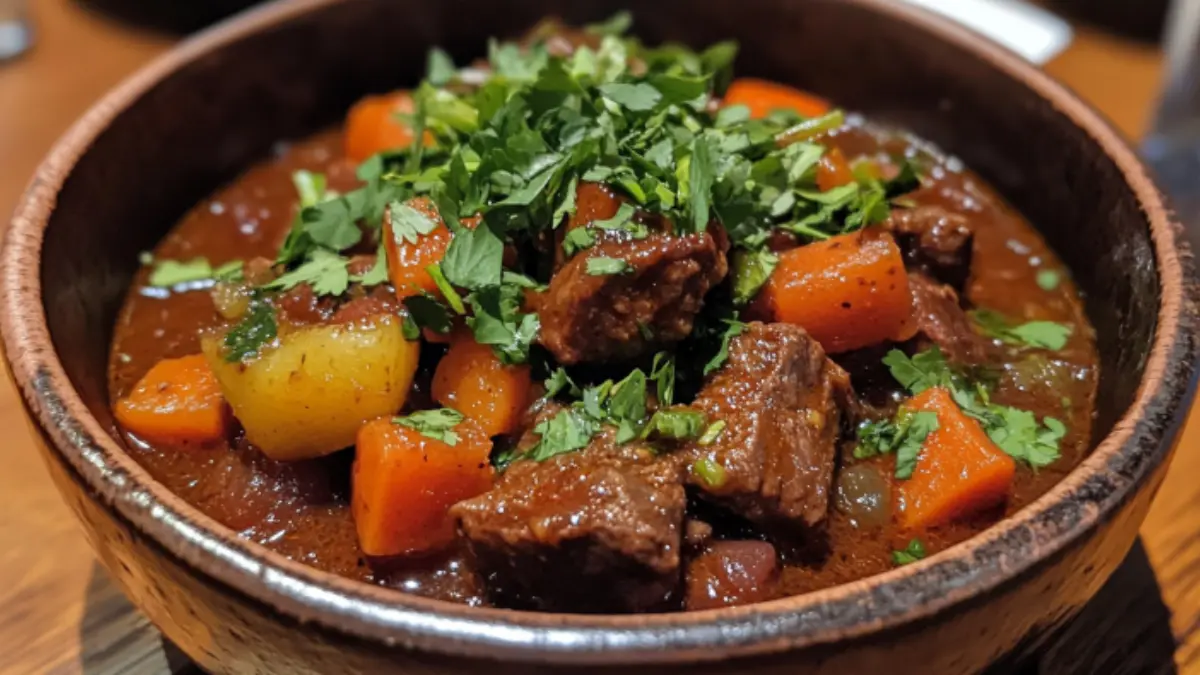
[(192, 119)]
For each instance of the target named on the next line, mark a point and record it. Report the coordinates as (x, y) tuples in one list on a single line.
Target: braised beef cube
[(598, 530), (649, 298), (782, 401), (941, 321), (729, 573), (935, 241)]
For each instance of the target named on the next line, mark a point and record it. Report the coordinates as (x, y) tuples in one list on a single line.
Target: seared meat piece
[(935, 241), (942, 322), (598, 530), (653, 302), (782, 401), (732, 573)]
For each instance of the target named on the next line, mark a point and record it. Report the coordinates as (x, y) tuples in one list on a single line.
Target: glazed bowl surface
[(193, 119)]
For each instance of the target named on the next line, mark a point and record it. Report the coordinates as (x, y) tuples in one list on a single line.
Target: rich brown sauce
[(301, 509)]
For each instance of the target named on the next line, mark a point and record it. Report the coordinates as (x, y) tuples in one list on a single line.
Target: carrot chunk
[(848, 292), (404, 483), (175, 401), (473, 381), (408, 260), (373, 125), (833, 171), (762, 97), (959, 470)]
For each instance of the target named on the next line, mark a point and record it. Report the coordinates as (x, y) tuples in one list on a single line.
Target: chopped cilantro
[(602, 266), (709, 471), (498, 321), (437, 424), (1038, 334), (440, 67), (733, 329), (409, 224), (560, 381), (310, 187), (638, 97), (248, 336), (578, 239), (1048, 280), (1017, 432), (427, 312), (474, 259), (616, 24), (905, 435), (324, 271), (567, 431), (662, 372), (167, 273), (910, 554), (751, 270)]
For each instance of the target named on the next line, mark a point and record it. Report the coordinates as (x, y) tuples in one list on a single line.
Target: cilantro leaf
[(712, 433), (440, 68), (437, 424), (447, 290), (662, 371), (917, 427), (602, 266), (324, 271), (1038, 334), (1019, 435), (751, 271), (924, 370), (578, 239), (408, 224), (910, 554), (638, 97), (701, 177), (733, 329), (567, 431), (248, 336), (475, 258), (560, 381), (427, 312), (498, 321)]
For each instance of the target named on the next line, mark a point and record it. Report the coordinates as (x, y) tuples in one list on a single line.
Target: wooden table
[(59, 614)]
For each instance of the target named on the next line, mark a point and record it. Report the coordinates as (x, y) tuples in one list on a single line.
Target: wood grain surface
[(59, 614)]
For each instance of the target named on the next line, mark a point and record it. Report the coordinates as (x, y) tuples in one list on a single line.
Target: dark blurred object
[(1141, 19), (175, 16)]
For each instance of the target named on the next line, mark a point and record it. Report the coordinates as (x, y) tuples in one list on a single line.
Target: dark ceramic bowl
[(194, 118)]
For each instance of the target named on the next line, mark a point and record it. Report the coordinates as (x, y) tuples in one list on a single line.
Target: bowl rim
[(1139, 442)]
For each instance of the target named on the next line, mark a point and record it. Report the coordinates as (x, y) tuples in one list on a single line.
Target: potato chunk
[(308, 395)]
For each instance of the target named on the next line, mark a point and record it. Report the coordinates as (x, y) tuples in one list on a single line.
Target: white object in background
[(1029, 31)]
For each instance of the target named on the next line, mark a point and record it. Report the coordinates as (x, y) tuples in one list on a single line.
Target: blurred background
[(1132, 59)]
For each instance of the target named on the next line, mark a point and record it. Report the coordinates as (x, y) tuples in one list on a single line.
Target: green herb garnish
[(1039, 334), (247, 337), (437, 424), (910, 554)]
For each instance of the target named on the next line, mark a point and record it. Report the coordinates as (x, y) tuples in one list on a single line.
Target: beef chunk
[(596, 530), (732, 573), (589, 317), (782, 401), (935, 241), (941, 321)]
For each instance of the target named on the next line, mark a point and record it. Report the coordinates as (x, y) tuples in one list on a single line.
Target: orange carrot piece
[(833, 171), (471, 380), (408, 262), (848, 292), (373, 126), (762, 97), (177, 400), (959, 471), (404, 484)]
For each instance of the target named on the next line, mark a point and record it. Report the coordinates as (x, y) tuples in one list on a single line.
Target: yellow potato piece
[(308, 395)]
